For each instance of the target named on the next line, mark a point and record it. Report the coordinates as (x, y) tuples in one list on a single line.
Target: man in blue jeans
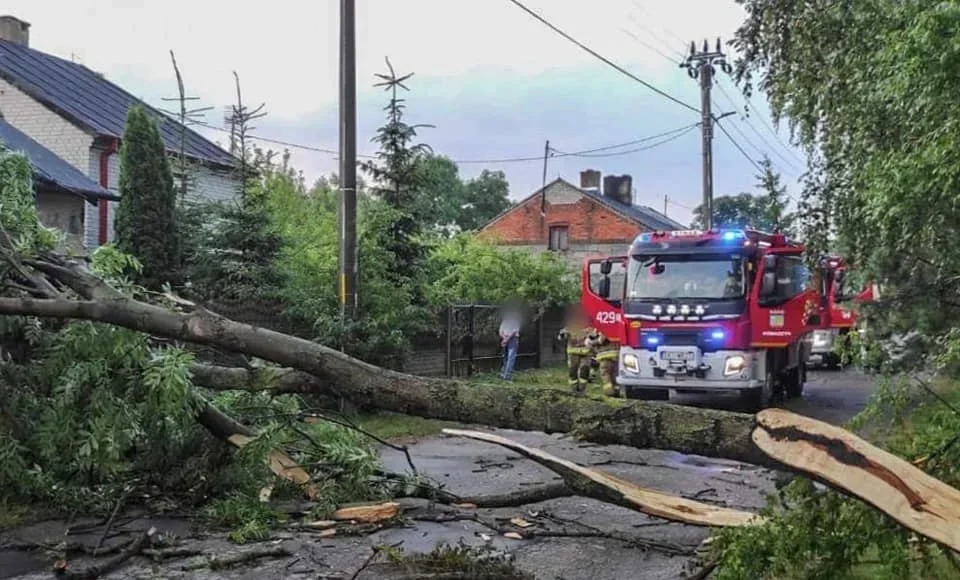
[(510, 340)]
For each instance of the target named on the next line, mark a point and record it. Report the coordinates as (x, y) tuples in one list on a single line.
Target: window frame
[(563, 238)]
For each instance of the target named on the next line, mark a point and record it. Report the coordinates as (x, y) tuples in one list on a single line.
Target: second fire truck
[(694, 311)]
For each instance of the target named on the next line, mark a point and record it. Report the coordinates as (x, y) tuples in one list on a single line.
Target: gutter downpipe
[(112, 148)]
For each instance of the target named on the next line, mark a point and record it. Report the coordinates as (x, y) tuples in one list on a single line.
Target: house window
[(559, 240)]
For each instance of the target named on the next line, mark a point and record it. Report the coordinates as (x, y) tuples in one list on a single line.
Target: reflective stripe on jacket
[(581, 341)]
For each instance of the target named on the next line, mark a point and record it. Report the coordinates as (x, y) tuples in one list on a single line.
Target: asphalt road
[(831, 396)]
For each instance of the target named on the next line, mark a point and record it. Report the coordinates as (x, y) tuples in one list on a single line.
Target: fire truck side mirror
[(606, 267), (604, 290)]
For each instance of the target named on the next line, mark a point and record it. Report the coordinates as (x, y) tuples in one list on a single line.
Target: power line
[(641, 8), (657, 38), (604, 59), (746, 121), (648, 45), (743, 136), (680, 130), (737, 145), (638, 149), (584, 152)]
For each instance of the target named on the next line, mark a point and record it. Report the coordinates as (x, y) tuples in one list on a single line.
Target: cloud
[(494, 81)]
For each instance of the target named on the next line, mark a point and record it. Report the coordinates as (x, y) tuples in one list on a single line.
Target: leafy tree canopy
[(868, 87), (764, 210)]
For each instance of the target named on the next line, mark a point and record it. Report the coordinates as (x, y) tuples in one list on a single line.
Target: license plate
[(675, 355)]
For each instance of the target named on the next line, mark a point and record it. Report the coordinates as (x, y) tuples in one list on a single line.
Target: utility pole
[(543, 189), (701, 65), (348, 159)]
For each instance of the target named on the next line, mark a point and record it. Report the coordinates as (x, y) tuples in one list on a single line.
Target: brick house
[(78, 116), (579, 222)]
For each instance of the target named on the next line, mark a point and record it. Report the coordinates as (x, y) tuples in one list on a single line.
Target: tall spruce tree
[(145, 224)]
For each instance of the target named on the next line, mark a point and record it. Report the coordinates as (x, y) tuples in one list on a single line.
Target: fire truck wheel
[(795, 381), (756, 400)]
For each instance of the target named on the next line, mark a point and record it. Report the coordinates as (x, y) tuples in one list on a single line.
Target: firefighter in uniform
[(608, 354), (581, 340)]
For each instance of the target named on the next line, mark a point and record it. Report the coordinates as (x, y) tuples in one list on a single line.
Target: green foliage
[(459, 561), (814, 533), (468, 270), (18, 210), (399, 177), (146, 225), (248, 517), (764, 211), (868, 87), (485, 197), (446, 202)]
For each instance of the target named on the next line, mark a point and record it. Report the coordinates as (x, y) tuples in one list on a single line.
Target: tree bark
[(328, 372)]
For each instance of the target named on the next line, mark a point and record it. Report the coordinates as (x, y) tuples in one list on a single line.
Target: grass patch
[(389, 426), (12, 516), (554, 377)]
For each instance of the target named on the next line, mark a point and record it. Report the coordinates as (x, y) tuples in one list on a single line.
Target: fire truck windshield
[(705, 277)]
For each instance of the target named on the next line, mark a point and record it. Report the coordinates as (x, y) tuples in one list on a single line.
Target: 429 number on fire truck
[(608, 317)]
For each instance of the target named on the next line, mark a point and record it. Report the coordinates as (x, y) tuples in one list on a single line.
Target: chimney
[(15, 30), (626, 189), (619, 188), (590, 179)]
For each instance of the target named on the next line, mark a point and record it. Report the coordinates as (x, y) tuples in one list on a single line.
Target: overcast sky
[(495, 82)]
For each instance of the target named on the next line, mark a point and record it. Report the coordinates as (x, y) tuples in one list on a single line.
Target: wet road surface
[(831, 396)]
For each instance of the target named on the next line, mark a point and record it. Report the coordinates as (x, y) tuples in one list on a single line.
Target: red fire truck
[(843, 319), (694, 311)]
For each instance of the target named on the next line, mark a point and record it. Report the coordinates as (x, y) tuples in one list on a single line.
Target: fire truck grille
[(681, 338)]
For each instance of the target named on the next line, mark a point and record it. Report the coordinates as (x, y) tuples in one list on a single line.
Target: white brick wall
[(47, 128), (75, 146), (209, 184)]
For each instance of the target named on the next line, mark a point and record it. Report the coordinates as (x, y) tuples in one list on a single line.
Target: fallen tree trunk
[(707, 432), (610, 489), (645, 425)]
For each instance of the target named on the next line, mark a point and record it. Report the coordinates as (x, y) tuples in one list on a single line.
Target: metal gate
[(473, 341)]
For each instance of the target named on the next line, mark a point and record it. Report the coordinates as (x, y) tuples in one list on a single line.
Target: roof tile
[(50, 169), (91, 101)]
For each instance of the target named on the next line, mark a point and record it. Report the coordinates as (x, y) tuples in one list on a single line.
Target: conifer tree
[(145, 224)]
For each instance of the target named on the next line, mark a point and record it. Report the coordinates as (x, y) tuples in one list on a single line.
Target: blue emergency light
[(717, 335), (731, 235), (650, 338)]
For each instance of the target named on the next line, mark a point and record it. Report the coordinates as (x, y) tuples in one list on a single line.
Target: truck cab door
[(779, 320), (605, 311)]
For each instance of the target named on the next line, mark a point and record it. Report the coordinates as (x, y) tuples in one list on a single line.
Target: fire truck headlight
[(657, 310), (699, 310), (734, 365), (821, 338), (672, 309), (631, 363)]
